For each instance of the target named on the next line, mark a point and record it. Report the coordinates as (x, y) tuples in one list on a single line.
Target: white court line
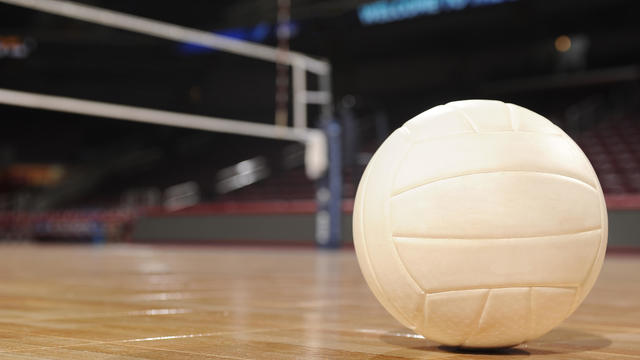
[(389, 333), (170, 337), (154, 312)]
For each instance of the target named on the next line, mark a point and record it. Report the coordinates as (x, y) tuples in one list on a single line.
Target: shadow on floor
[(558, 341)]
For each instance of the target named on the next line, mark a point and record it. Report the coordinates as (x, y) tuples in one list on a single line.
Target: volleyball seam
[(492, 171)]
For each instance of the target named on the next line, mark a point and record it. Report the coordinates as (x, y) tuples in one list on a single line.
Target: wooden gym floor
[(136, 302)]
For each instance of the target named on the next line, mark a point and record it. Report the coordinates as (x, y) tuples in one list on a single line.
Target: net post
[(324, 85), (329, 191), (329, 186), (299, 95)]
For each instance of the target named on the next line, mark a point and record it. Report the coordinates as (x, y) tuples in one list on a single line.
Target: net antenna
[(316, 158)]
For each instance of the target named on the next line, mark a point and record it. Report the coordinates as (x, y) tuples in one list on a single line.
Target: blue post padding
[(97, 233), (329, 192)]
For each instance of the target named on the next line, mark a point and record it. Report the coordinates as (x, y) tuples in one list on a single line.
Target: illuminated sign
[(258, 33), (385, 11), (16, 47), (33, 174)]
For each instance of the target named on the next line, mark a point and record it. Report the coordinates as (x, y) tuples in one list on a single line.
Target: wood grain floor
[(134, 302)]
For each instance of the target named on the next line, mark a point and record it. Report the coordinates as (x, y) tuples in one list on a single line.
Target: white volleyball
[(480, 224)]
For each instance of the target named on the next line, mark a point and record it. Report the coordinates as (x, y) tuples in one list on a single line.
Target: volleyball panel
[(440, 158), (485, 115), (377, 256), (449, 264), (496, 205)]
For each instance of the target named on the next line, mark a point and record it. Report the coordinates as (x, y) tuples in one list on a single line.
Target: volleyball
[(480, 224)]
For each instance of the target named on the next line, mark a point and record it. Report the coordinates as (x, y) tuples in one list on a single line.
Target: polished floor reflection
[(138, 302)]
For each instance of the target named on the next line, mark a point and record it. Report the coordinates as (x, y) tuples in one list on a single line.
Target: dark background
[(383, 74)]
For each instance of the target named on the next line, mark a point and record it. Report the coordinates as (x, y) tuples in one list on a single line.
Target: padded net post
[(329, 191)]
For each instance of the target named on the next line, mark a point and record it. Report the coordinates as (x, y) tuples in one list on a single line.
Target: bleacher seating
[(289, 185), (613, 147)]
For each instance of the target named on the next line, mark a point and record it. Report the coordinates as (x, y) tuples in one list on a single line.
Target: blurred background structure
[(71, 177)]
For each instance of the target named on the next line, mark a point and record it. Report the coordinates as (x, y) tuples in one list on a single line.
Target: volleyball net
[(321, 156)]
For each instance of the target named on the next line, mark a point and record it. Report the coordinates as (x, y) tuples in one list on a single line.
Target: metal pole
[(299, 97), (329, 187)]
